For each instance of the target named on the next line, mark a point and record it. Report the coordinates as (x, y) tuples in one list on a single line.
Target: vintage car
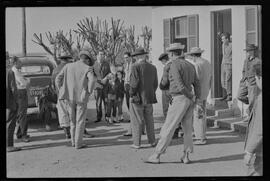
[(39, 70)]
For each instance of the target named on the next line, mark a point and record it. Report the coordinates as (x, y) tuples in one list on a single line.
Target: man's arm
[(134, 80), (91, 82), (60, 77), (156, 78), (165, 78)]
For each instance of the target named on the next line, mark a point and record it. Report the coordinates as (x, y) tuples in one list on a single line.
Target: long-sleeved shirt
[(128, 70), (182, 76), (11, 90), (21, 81), (227, 53), (101, 70), (248, 72), (75, 82)]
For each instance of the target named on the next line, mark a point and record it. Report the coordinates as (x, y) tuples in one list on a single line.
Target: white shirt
[(21, 81)]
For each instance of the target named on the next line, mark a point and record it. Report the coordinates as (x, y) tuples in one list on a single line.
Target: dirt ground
[(108, 154)]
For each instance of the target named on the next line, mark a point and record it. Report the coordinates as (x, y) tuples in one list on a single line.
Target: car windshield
[(35, 70)]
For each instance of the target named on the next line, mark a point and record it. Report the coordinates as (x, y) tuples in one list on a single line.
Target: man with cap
[(226, 66), (143, 86), (247, 92), (164, 85), (203, 70), (75, 83), (182, 77)]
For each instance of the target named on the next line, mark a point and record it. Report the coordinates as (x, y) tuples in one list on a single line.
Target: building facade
[(200, 26)]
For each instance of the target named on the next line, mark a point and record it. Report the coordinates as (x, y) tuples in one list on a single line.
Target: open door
[(221, 21)]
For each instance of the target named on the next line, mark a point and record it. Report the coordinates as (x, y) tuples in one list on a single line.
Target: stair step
[(241, 127), (227, 123)]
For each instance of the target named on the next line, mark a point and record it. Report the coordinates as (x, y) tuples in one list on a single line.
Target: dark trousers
[(10, 127), (100, 96), (111, 109), (22, 113), (127, 87), (226, 78)]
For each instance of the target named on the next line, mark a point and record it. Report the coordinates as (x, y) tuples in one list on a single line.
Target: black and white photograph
[(134, 91)]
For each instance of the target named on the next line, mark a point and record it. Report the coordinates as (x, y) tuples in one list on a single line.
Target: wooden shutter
[(251, 25), (193, 31), (166, 33)]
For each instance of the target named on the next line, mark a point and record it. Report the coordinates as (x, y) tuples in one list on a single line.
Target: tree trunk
[(23, 32)]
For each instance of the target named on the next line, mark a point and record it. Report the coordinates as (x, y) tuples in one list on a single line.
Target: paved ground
[(109, 154)]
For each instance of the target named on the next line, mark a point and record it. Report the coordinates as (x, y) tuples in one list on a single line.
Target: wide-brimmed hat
[(250, 47), (162, 56), (175, 46), (65, 58), (85, 52), (194, 50), (139, 51)]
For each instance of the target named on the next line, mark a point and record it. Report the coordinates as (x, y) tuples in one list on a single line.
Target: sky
[(44, 19)]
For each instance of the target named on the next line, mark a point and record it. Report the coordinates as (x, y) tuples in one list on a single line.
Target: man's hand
[(248, 158)]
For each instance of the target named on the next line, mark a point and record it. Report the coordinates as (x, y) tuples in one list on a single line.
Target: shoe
[(153, 160), (25, 139), (115, 120), (20, 136), (13, 149), (110, 121), (87, 135), (153, 144), (67, 132), (200, 142), (184, 159), (135, 146), (98, 120), (127, 134), (82, 146)]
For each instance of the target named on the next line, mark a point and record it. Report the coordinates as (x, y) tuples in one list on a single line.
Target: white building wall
[(204, 12)]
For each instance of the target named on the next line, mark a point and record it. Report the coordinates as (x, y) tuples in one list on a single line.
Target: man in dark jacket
[(248, 90), (182, 76), (101, 69), (143, 86), (11, 110)]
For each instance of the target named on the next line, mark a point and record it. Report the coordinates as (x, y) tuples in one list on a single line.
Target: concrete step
[(234, 123)]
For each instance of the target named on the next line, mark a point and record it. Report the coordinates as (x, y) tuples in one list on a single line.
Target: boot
[(67, 132)]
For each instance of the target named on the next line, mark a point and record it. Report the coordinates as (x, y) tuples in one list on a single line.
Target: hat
[(175, 46), (65, 57), (162, 56), (194, 50), (139, 51), (250, 47), (85, 52)]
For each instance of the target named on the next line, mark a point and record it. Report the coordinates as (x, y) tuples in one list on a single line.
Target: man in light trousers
[(203, 70), (182, 77), (75, 83), (143, 85)]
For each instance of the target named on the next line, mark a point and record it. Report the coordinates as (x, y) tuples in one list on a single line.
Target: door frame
[(216, 80)]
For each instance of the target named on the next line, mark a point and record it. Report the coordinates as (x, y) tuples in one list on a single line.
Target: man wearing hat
[(247, 92), (143, 86), (203, 70), (226, 66), (164, 85), (182, 77), (75, 83)]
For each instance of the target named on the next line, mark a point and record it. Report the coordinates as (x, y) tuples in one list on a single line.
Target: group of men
[(185, 83)]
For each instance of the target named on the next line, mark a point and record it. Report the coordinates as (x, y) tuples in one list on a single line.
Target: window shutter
[(193, 31), (166, 33), (251, 25)]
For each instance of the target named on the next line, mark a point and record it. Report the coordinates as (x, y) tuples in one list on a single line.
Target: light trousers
[(138, 114), (199, 120), (62, 110), (77, 116), (181, 110)]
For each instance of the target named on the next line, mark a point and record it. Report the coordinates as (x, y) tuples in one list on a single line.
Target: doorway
[(221, 21)]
